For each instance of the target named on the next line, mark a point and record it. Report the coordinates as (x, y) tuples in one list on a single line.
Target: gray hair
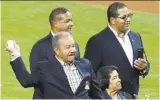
[(56, 38)]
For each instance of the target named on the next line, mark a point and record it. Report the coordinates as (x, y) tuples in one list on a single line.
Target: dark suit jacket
[(41, 51), (51, 79), (104, 49)]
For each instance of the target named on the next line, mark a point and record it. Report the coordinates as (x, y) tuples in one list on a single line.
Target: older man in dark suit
[(61, 78), (118, 45), (60, 20)]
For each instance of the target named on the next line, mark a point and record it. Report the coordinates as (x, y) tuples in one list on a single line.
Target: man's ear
[(55, 24), (112, 21), (56, 50)]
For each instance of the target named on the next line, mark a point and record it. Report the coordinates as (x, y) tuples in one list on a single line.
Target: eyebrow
[(68, 20), (126, 14), (116, 76), (69, 45)]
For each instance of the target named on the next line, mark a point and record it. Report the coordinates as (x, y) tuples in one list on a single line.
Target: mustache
[(70, 26), (72, 54)]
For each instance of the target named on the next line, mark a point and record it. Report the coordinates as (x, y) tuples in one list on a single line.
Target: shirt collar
[(69, 66), (115, 32), (52, 33), (61, 62)]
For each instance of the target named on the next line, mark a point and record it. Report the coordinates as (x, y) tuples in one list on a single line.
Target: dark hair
[(55, 12), (113, 9), (103, 75)]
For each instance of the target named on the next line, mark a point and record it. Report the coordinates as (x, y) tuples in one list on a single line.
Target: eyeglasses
[(125, 17)]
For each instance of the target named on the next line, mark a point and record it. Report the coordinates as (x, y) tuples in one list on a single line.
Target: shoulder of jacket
[(134, 33), (125, 94), (83, 60), (41, 41)]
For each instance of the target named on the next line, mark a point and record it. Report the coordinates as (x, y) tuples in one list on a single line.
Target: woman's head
[(108, 77)]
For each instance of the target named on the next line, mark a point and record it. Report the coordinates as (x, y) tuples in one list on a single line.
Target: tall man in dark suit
[(60, 20), (61, 78), (118, 45)]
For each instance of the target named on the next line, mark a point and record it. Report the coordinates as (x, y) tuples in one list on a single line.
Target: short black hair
[(113, 9), (55, 12), (103, 75)]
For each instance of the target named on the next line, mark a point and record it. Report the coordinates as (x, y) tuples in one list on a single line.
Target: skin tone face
[(63, 23), (66, 49), (121, 23), (114, 81)]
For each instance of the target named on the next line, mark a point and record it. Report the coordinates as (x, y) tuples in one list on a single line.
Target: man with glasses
[(118, 45)]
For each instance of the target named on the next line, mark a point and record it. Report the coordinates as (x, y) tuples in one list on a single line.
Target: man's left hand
[(140, 63)]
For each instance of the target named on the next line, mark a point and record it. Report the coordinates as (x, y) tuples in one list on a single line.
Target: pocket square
[(87, 86)]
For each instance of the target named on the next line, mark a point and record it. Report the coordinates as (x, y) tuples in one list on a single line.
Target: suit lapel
[(85, 75), (79, 68), (83, 70), (58, 73)]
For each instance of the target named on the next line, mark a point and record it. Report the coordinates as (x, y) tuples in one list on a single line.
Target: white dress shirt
[(125, 43)]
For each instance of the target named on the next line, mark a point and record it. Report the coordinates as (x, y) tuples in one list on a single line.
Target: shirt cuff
[(15, 55), (143, 72)]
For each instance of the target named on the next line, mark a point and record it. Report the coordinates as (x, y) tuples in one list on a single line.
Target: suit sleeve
[(23, 76), (95, 92), (146, 71), (36, 55), (93, 53)]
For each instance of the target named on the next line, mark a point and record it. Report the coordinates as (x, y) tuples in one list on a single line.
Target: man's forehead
[(123, 11), (66, 39), (64, 15)]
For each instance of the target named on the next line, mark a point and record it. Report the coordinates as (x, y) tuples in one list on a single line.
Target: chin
[(119, 87), (126, 28), (70, 60), (70, 32)]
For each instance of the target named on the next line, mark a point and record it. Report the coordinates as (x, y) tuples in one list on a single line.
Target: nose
[(73, 49), (128, 19), (119, 80), (71, 23)]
